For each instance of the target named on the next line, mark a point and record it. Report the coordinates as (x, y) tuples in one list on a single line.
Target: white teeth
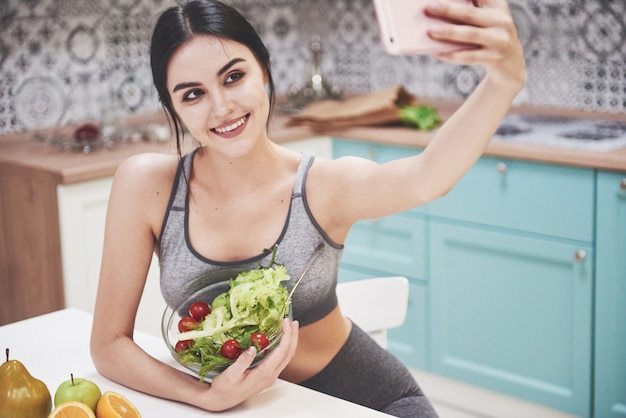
[(231, 127)]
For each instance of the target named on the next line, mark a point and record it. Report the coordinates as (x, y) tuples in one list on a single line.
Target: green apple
[(78, 389)]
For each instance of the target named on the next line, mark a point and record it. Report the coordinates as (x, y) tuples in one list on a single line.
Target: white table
[(54, 345)]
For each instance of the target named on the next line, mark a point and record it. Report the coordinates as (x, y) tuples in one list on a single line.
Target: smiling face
[(217, 88)]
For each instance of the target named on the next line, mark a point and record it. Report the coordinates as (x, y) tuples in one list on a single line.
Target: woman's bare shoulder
[(148, 169), (141, 189), (144, 177), (342, 171)]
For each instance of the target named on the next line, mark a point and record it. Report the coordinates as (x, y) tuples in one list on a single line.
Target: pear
[(21, 395)]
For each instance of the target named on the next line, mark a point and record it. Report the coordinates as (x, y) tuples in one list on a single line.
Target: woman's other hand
[(238, 383), (490, 29)]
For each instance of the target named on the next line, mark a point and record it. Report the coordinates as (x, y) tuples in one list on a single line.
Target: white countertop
[(54, 345)]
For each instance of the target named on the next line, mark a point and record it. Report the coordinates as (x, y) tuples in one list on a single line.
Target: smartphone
[(404, 24)]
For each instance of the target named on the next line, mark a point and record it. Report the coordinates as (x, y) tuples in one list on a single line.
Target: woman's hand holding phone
[(491, 32), (458, 31)]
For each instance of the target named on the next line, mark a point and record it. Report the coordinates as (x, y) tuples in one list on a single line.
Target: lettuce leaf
[(255, 302)]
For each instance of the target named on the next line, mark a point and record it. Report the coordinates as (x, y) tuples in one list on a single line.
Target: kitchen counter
[(395, 135), (613, 160), (66, 335), (19, 150), (32, 174)]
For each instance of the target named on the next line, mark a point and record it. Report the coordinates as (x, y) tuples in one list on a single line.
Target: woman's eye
[(192, 95), (234, 77)]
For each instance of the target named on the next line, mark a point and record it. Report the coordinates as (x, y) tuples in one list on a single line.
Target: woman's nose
[(221, 105)]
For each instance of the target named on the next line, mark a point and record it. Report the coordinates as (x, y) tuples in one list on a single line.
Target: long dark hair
[(179, 24)]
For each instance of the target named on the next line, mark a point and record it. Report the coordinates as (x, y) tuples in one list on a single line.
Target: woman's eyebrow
[(181, 86), (221, 71), (229, 64)]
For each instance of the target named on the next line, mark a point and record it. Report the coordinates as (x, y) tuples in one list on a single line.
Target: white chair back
[(376, 304)]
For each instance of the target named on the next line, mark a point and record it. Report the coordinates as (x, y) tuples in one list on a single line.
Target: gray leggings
[(365, 373)]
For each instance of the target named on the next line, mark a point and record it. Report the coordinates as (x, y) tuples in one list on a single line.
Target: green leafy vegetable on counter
[(254, 303), (422, 117)]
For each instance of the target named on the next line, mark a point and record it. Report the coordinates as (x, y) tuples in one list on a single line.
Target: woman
[(238, 194)]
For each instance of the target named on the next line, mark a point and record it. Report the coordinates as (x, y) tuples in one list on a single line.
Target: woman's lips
[(232, 128)]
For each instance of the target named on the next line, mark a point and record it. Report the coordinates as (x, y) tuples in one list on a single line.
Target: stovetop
[(586, 134)]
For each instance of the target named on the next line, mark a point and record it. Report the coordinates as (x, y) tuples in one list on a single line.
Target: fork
[(272, 333)]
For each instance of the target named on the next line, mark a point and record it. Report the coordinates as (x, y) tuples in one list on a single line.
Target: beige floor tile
[(454, 399)]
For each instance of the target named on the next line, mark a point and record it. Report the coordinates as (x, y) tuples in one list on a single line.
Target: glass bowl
[(170, 332)]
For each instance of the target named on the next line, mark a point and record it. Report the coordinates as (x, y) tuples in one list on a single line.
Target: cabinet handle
[(580, 255), (622, 184), (372, 153), (502, 168)]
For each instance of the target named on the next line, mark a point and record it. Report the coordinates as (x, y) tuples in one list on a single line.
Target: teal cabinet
[(518, 280), (391, 246), (511, 279), (610, 319), (513, 313)]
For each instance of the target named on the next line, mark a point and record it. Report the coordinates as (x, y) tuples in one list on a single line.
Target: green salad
[(254, 304)]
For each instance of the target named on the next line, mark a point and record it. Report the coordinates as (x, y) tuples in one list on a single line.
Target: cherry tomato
[(259, 340), (230, 349), (183, 345), (199, 310), (187, 324)]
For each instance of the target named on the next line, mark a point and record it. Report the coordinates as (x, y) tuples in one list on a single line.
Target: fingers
[(282, 355), (490, 33), (244, 361), (464, 15), (490, 27), (268, 370), (489, 13), (238, 382)]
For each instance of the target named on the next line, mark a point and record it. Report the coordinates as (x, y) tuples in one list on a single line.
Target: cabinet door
[(610, 349), (82, 216), (409, 342), (513, 313)]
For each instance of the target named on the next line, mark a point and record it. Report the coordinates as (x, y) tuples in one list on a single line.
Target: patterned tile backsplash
[(66, 61)]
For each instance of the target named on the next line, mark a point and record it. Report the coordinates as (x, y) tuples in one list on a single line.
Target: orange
[(72, 409), (114, 405)]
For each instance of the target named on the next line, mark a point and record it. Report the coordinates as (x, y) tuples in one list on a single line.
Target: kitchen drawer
[(375, 152), (538, 198), (393, 244)]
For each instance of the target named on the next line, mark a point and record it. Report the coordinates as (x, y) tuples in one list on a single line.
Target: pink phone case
[(403, 27)]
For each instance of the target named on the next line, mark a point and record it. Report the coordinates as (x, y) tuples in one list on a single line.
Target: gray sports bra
[(185, 274)]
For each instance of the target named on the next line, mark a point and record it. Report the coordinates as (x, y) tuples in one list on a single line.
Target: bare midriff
[(318, 343)]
